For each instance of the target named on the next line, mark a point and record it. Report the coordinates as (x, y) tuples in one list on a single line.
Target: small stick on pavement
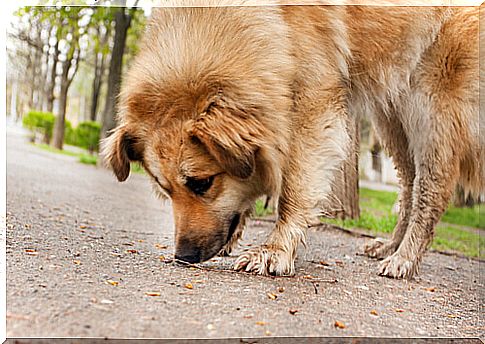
[(301, 278)]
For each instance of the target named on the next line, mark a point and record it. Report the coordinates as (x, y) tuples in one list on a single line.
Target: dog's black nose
[(188, 255)]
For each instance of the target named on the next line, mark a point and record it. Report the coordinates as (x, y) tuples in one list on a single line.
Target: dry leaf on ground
[(272, 296), (339, 324), (115, 283)]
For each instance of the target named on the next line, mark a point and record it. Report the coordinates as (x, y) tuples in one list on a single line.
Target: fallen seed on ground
[(261, 323), (115, 283), (272, 296), (431, 289), (189, 286), (152, 293), (293, 311), (374, 312), (339, 324)]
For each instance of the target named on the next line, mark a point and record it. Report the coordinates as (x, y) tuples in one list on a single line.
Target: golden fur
[(225, 104)]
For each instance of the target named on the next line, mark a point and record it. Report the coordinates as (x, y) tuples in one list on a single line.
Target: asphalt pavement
[(90, 257)]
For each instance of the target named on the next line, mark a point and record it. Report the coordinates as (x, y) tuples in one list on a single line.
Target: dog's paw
[(397, 266), (380, 248), (266, 260)]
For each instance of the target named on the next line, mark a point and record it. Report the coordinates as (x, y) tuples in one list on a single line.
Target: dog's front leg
[(277, 255), (316, 154)]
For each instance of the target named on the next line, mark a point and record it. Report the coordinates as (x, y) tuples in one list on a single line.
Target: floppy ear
[(231, 137), (119, 149)]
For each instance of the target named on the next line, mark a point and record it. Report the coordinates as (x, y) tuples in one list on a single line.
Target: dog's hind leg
[(395, 140), (432, 191)]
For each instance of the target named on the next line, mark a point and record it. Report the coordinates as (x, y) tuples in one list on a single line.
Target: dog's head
[(207, 116), (212, 164)]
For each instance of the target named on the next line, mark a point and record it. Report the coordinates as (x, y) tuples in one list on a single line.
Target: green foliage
[(37, 121), (86, 135)]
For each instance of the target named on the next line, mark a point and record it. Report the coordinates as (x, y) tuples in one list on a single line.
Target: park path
[(87, 256)]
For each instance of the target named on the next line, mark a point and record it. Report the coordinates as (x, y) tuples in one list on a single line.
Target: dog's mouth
[(233, 226)]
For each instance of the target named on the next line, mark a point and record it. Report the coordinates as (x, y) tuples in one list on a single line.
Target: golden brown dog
[(224, 104)]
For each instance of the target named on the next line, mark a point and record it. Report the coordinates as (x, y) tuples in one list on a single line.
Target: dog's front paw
[(380, 248), (397, 266), (266, 260)]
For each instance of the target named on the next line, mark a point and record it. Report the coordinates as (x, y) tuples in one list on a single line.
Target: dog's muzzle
[(191, 252)]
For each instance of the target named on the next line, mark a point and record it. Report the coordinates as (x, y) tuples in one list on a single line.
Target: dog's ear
[(119, 149), (231, 136)]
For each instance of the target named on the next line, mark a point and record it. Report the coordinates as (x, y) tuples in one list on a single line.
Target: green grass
[(55, 150), (85, 158), (259, 210), (88, 159), (376, 216), (471, 217), (457, 240)]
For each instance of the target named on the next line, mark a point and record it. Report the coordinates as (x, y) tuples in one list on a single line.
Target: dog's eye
[(199, 186)]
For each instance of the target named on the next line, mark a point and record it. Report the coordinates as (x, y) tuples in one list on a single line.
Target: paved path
[(83, 251)]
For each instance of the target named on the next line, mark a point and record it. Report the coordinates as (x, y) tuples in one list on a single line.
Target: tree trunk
[(345, 191), (60, 122), (460, 199), (99, 60), (52, 79), (122, 23)]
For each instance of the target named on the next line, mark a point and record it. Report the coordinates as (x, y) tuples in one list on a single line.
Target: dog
[(224, 104)]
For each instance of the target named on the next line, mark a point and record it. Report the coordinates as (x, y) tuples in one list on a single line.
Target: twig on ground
[(204, 268)]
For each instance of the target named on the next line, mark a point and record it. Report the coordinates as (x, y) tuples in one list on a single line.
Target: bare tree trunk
[(66, 80), (60, 122), (52, 79), (97, 82), (37, 67), (460, 199), (122, 23), (346, 185)]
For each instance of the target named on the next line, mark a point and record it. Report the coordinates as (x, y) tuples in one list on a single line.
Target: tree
[(344, 199), (71, 32), (123, 18), (102, 17)]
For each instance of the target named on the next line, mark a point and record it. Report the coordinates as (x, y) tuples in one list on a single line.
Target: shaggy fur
[(225, 104)]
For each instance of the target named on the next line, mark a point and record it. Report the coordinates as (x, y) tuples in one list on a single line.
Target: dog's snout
[(188, 252)]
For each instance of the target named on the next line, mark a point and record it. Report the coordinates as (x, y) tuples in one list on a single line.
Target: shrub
[(86, 135), (43, 122)]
